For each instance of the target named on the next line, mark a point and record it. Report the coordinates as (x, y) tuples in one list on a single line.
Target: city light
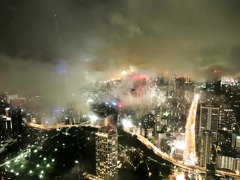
[(189, 155), (180, 176), (139, 77), (126, 123), (179, 145), (216, 71), (89, 101), (120, 105), (124, 73), (93, 118), (158, 126)]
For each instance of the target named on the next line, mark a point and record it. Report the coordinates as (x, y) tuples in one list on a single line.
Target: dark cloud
[(187, 36)]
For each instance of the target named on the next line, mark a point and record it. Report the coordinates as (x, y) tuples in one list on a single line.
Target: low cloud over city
[(164, 34)]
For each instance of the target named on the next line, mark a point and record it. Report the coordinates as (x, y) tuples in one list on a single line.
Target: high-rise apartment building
[(106, 153), (209, 120), (206, 143), (236, 141), (227, 119)]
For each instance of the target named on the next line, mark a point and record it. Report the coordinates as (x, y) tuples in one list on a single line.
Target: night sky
[(42, 40)]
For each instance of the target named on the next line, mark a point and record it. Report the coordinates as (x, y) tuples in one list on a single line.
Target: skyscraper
[(236, 141), (227, 119), (209, 120), (5, 127), (206, 143), (106, 153)]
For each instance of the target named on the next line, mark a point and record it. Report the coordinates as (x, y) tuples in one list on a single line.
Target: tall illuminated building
[(236, 141), (209, 120), (227, 119), (206, 143), (5, 127), (106, 153)]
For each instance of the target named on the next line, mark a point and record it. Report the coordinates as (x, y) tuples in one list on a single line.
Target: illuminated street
[(189, 153), (149, 145), (189, 156)]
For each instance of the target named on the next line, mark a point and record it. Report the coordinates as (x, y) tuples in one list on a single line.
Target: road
[(150, 146), (165, 156), (48, 127), (189, 156)]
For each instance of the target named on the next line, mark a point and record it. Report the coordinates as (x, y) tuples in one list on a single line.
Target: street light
[(126, 123)]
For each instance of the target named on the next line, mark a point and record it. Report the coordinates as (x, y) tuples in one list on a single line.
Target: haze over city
[(187, 37)]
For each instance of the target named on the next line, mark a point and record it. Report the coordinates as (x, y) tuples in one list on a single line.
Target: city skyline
[(87, 40)]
